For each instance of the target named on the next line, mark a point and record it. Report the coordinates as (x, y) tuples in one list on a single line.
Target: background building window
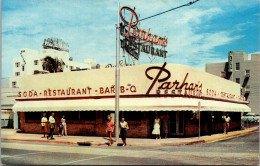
[(35, 62), (247, 73), (22, 67), (17, 64), (17, 73), (223, 74), (237, 66), (14, 84), (238, 80)]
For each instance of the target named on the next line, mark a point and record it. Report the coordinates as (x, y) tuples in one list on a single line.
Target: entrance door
[(176, 123)]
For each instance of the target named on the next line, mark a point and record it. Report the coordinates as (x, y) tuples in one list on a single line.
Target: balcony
[(247, 73)]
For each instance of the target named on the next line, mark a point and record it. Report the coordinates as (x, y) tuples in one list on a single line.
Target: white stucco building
[(29, 63)]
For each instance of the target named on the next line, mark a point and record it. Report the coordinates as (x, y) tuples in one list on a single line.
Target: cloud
[(89, 28)]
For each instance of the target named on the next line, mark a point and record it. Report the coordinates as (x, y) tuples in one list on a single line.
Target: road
[(243, 150)]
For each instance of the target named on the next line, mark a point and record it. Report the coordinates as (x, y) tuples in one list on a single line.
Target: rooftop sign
[(137, 40)]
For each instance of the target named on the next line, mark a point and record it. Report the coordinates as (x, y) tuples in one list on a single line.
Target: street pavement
[(11, 134), (242, 150)]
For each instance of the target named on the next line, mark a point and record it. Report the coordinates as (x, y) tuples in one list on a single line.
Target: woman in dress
[(156, 127), (44, 124), (124, 127), (64, 128)]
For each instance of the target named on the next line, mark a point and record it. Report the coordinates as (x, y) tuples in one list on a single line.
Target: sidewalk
[(11, 134)]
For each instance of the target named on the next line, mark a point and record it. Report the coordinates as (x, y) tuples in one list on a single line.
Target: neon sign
[(142, 34), (131, 43)]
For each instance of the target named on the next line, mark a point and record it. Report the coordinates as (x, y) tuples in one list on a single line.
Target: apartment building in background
[(8, 96), (244, 70), (29, 61)]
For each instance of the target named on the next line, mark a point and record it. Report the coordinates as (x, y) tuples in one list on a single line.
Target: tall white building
[(29, 63)]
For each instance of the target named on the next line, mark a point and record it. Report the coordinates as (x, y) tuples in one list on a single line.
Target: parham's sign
[(132, 40), (151, 80)]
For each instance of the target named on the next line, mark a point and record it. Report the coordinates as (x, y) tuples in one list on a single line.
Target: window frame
[(14, 84), (239, 80), (17, 74), (17, 64), (237, 66), (35, 62)]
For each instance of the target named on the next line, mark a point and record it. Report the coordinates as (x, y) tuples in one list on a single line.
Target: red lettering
[(19, 94), (107, 90), (59, 92), (101, 90), (78, 92), (63, 92), (122, 89), (73, 91), (132, 88), (112, 89), (35, 94), (45, 93), (54, 92), (84, 91), (30, 93), (89, 89), (68, 91)]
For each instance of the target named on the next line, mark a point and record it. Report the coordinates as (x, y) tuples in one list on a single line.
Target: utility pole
[(117, 74), (199, 117)]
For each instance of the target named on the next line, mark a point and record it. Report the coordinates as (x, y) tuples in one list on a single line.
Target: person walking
[(110, 129), (165, 123), (227, 123), (44, 125), (64, 129), (60, 127), (156, 127), (124, 127), (52, 126)]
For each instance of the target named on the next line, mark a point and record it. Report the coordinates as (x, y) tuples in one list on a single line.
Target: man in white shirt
[(227, 123), (52, 126)]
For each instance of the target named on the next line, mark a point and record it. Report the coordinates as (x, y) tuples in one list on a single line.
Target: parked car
[(250, 117)]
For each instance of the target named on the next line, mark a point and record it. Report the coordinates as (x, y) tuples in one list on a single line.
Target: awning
[(130, 104)]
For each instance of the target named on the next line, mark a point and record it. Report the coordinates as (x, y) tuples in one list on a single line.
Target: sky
[(198, 34)]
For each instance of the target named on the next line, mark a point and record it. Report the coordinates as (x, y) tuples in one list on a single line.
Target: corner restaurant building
[(87, 97)]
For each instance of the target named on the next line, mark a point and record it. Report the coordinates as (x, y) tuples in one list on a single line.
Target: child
[(60, 126)]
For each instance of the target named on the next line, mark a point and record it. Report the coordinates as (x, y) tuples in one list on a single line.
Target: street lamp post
[(117, 75), (199, 117)]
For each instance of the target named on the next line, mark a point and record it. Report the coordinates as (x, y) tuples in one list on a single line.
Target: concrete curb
[(221, 137), (90, 143), (48, 141)]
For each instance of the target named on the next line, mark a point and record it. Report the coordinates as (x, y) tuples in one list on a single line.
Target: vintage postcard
[(119, 82)]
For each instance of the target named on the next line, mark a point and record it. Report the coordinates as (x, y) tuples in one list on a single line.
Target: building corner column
[(15, 121)]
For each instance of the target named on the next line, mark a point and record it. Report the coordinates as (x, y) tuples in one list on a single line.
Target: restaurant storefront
[(166, 90)]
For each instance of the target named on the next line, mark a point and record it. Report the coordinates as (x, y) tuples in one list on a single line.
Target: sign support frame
[(117, 75)]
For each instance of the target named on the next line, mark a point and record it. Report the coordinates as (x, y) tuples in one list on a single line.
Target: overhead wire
[(188, 4)]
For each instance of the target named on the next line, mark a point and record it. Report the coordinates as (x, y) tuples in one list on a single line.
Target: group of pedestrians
[(123, 129), (49, 126), (157, 126)]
